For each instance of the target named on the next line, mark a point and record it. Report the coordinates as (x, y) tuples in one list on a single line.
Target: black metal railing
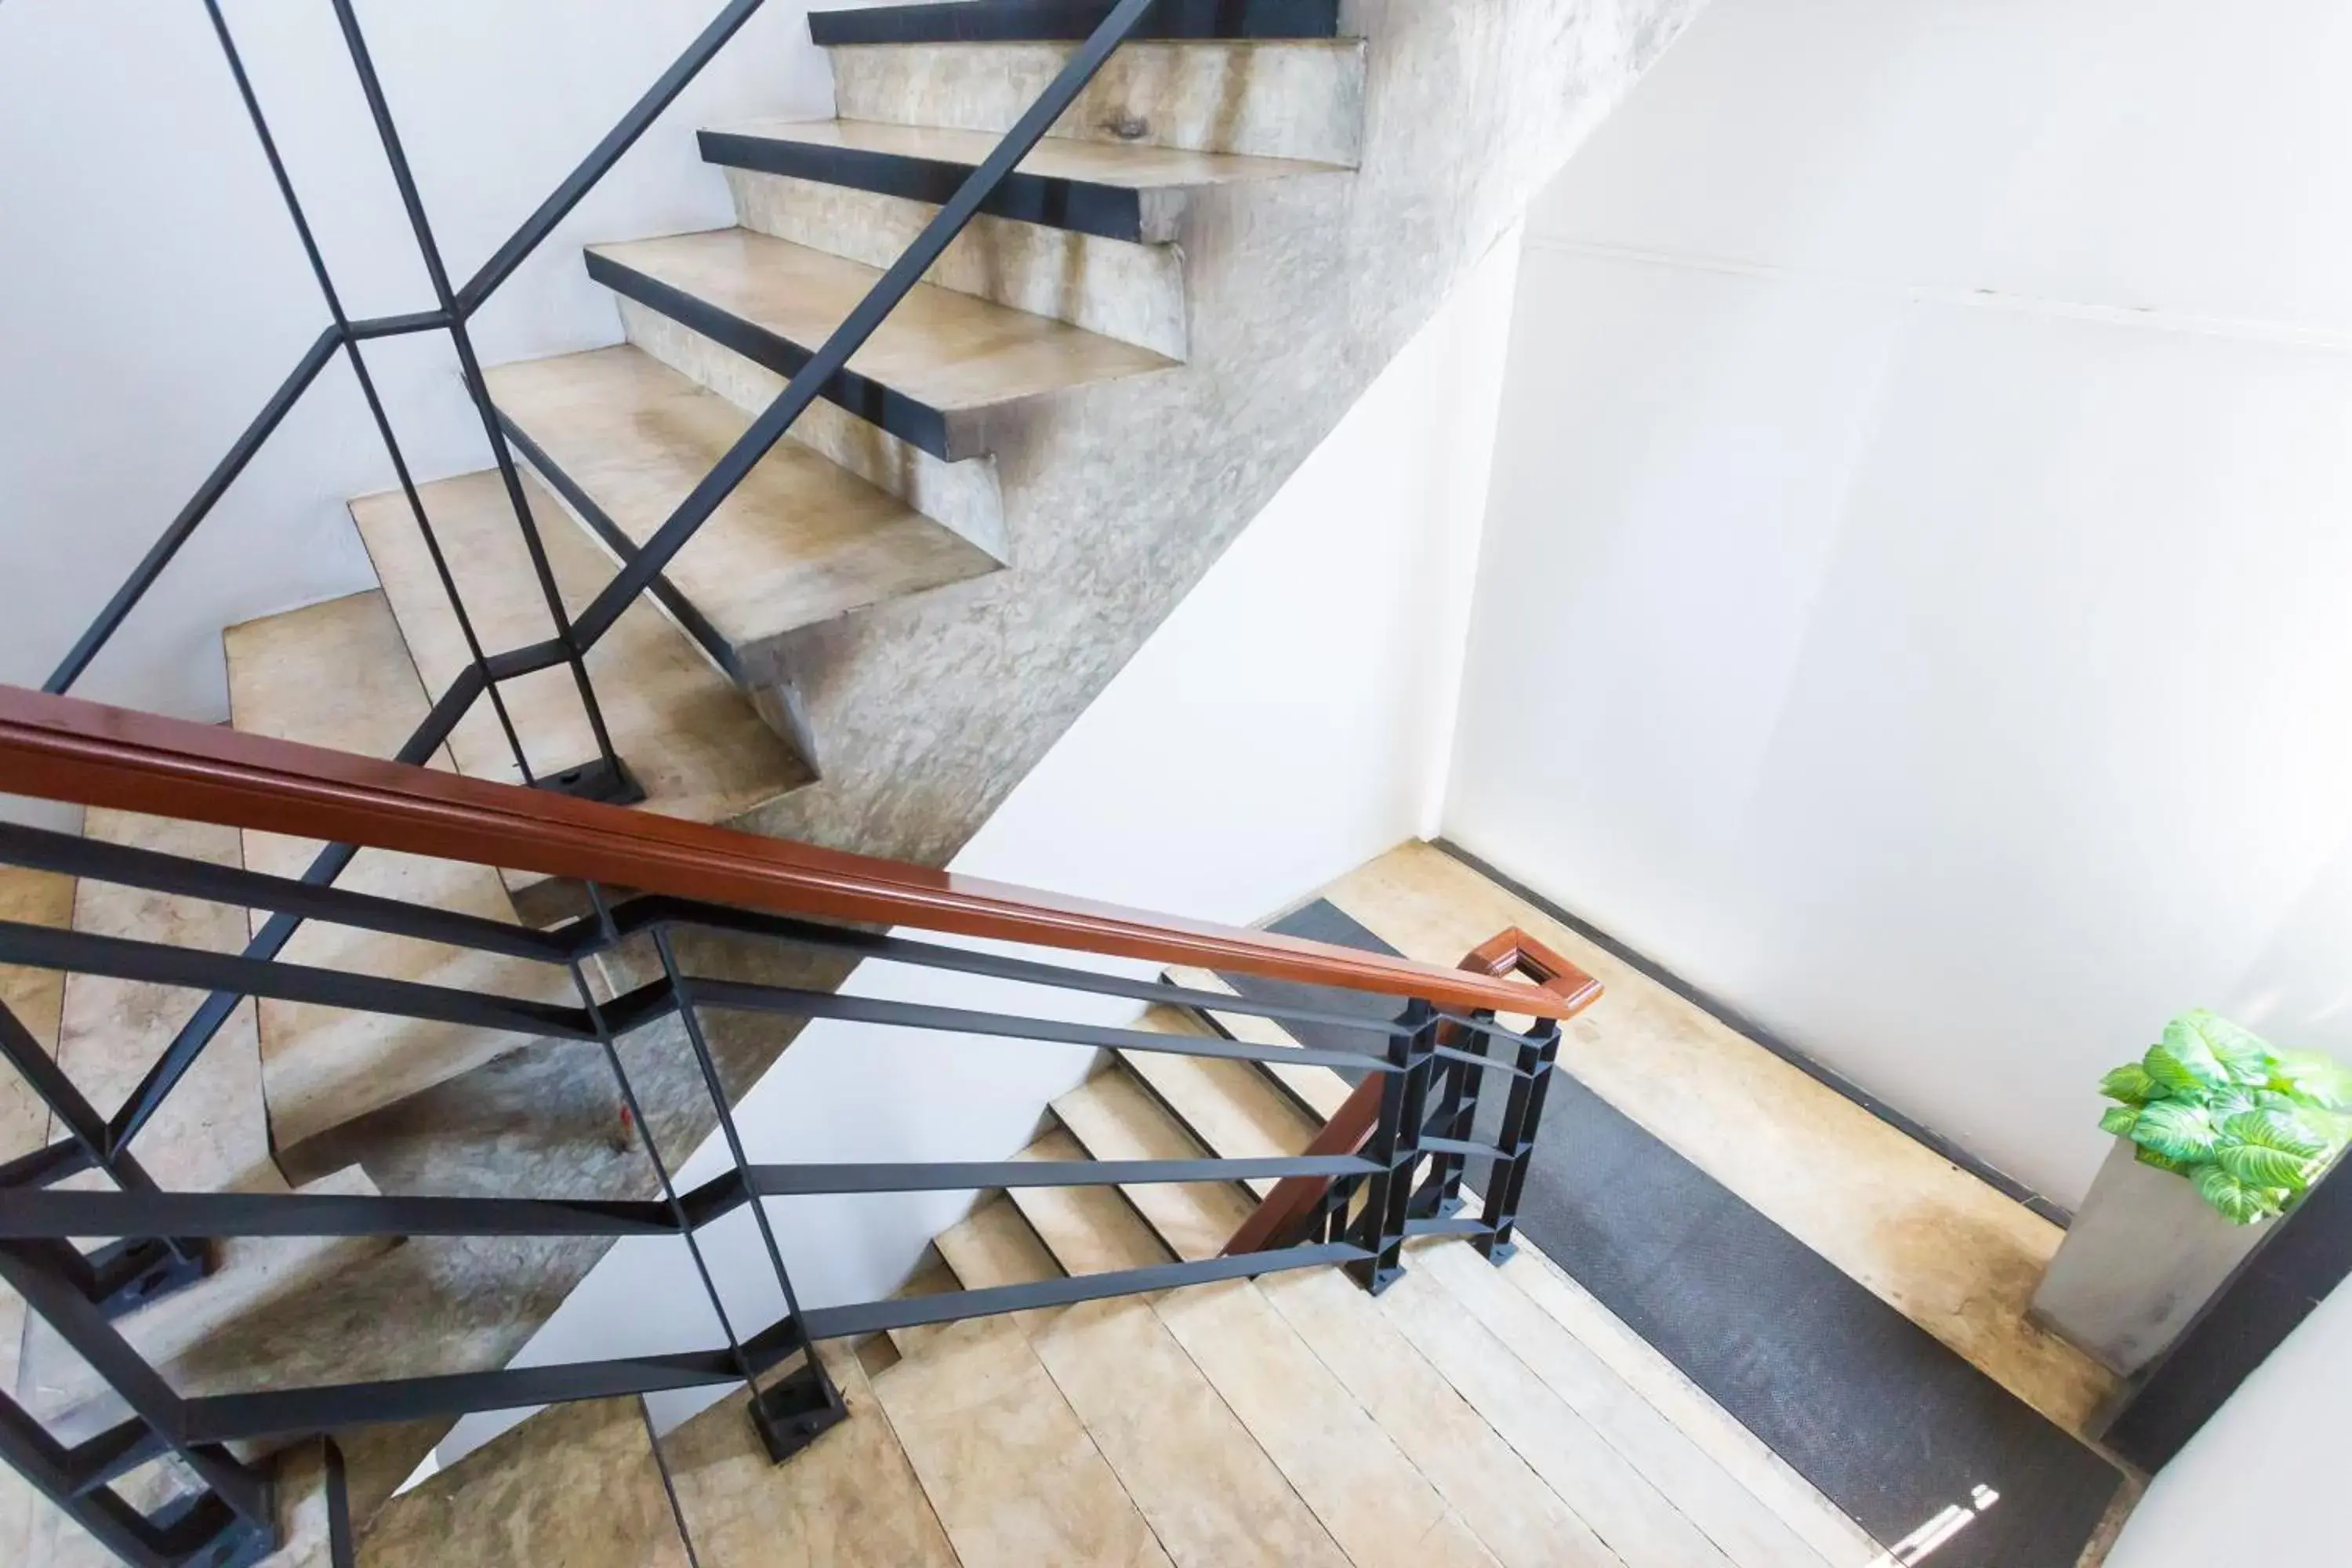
[(1405, 1182), (606, 776)]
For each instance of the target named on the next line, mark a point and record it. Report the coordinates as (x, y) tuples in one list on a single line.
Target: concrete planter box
[(2144, 1254)]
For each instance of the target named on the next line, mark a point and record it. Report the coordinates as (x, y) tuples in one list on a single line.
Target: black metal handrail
[(1404, 1184)]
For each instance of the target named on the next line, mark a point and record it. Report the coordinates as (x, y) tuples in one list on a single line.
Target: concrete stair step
[(948, 373), (1115, 1117), (1113, 191), (999, 21), (1314, 1088), (800, 543), (339, 675), (1257, 98)]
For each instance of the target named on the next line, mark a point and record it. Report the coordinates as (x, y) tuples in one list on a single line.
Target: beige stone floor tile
[(1952, 1254), (1838, 1538), (576, 1485), (1625, 1509), (1746, 1531), (1513, 1510), (847, 1500), (1117, 1118), (1089, 1230), (1015, 1479), (37, 998), (1211, 1493), (800, 543), (338, 674)]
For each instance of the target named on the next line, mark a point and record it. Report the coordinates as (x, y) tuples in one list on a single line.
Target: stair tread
[(691, 738), (1122, 165), (338, 674), (37, 998), (1232, 1106), (849, 1500), (1007, 1465), (1117, 1118), (948, 353), (1089, 1230), (1747, 1529), (1071, 19), (801, 542), (575, 1483), (1208, 1490), (1316, 1088)]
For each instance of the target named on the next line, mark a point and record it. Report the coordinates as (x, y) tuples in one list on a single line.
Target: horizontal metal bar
[(733, 996), (952, 1306), (1472, 1058), (1448, 1225), (794, 1180), (1486, 1026), (122, 958), (528, 660), (290, 1412), (53, 1215), (372, 327), (603, 155), (113, 1453), (132, 867), (1459, 1146), (42, 1166), (200, 505), (642, 913)]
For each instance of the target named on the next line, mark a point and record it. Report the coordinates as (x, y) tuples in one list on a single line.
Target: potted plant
[(2218, 1134)]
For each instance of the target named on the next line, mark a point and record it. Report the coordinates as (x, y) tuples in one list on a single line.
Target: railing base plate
[(797, 1411)]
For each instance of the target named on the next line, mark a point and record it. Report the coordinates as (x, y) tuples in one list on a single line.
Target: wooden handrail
[(65, 749), (1275, 1220)]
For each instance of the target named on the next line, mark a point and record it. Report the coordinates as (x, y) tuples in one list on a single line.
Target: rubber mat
[(1915, 1445)]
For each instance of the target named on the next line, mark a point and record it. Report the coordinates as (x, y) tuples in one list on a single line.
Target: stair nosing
[(1050, 201), (969, 24), (908, 418)]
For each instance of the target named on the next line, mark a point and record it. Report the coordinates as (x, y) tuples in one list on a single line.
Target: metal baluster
[(1522, 1116), (1395, 1147)]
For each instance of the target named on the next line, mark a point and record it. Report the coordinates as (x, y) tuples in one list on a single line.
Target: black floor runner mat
[(1892, 1426)]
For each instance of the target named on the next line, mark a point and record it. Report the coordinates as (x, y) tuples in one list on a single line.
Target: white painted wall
[(152, 294), (1914, 601), (1287, 722)]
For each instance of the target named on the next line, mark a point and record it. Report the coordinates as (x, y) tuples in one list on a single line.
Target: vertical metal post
[(613, 780), (1395, 1147), (359, 369), (1458, 1087), (803, 1405), (1517, 1144)]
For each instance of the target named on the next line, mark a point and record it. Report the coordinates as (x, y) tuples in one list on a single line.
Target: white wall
[(152, 294), (1290, 721), (1913, 605)]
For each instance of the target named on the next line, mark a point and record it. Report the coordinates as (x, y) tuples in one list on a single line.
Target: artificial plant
[(2250, 1126)]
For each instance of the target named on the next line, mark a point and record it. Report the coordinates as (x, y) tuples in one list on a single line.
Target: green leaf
[(2232, 1198), (2260, 1167), (2147, 1156), (2184, 1043), (2311, 1080), (2177, 1129), (2272, 1130), (2118, 1119), (2130, 1084), (2177, 1077), (2245, 1056)]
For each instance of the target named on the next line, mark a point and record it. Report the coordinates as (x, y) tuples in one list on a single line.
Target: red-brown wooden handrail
[(65, 749), (1509, 952)]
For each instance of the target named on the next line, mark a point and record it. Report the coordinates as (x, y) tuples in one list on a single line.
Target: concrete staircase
[(1468, 1416), (1168, 306)]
